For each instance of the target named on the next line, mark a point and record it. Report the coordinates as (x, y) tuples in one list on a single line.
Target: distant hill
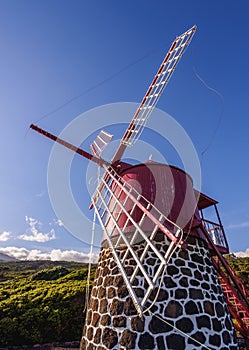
[(5, 257)]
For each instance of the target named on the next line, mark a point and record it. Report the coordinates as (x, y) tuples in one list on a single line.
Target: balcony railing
[(216, 232)]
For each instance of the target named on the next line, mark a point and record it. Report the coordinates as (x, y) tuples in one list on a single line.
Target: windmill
[(145, 241)]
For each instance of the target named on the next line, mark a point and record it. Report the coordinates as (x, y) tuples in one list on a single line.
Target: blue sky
[(106, 52)]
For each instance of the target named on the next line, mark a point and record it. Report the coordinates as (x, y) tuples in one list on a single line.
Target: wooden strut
[(98, 160)]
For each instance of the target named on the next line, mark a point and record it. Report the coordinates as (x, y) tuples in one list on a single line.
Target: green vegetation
[(41, 301), (241, 267)]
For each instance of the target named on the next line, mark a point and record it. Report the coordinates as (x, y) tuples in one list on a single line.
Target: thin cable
[(96, 85), (177, 329), (220, 117)]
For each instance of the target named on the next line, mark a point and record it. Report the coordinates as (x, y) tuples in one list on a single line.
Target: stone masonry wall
[(190, 300)]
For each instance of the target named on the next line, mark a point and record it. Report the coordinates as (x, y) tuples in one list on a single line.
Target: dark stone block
[(214, 288), (192, 265), (105, 320), (173, 309), (151, 261), (115, 271), (198, 275), (129, 270), (215, 340), (83, 344), (172, 270), (194, 283), (94, 292), (137, 324), (217, 326), (139, 292), (99, 281), (97, 336), (199, 336), (203, 322), (201, 268), (90, 333), (105, 271), (197, 258), (205, 286), (169, 283), (214, 278), (185, 271), (162, 295), (101, 292), (122, 292), (228, 324), (185, 325), (90, 346), (179, 262), (209, 308), (128, 339), (195, 293), (184, 282), (129, 308), (108, 281), (191, 308), (95, 319), (175, 342), (111, 292), (226, 337), (116, 307), (103, 306), (219, 310), (113, 264), (95, 304), (89, 317), (146, 341), (119, 321), (160, 343), (118, 281), (97, 274), (208, 261), (109, 338), (206, 277), (181, 294), (184, 254), (156, 326)]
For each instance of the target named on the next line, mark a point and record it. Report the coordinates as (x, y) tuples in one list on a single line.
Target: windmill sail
[(118, 201), (100, 143), (155, 90)]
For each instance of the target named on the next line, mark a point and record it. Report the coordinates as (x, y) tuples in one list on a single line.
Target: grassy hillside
[(43, 301), (241, 267)]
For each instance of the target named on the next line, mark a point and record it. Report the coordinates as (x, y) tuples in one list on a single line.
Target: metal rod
[(66, 144)]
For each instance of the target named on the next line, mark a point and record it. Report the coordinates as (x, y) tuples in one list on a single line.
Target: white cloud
[(34, 234), (59, 222), (243, 254), (18, 253), (54, 255), (5, 236), (239, 225)]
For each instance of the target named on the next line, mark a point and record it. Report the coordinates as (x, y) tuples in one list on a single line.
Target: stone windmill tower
[(161, 280)]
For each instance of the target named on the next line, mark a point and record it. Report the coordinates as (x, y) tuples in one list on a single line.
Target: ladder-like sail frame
[(109, 207), (154, 91)]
